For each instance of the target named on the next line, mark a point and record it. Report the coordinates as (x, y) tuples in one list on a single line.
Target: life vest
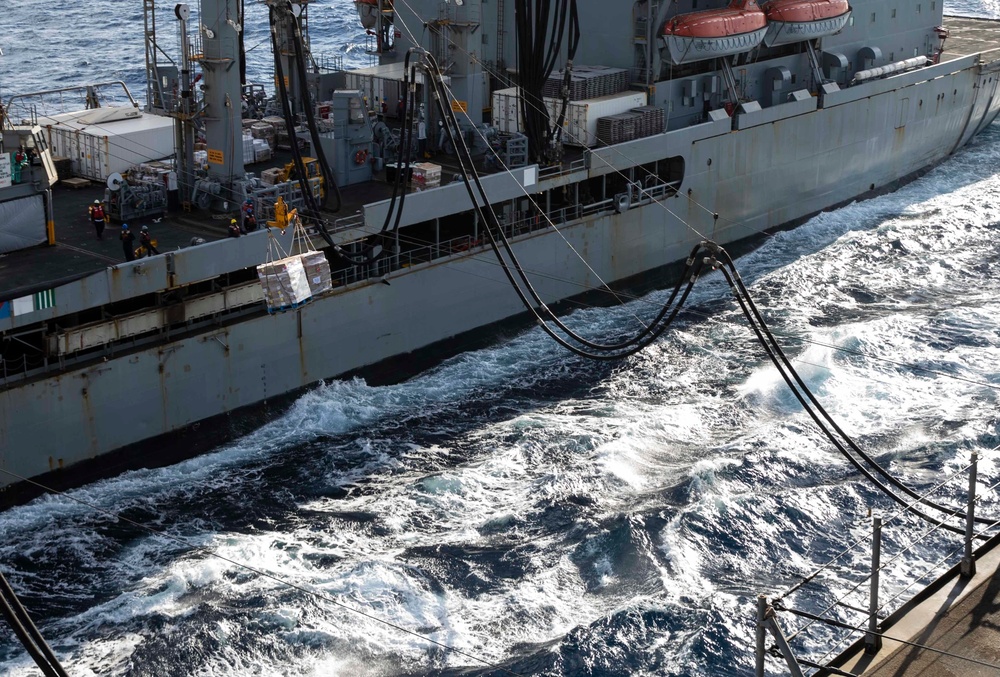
[(97, 213)]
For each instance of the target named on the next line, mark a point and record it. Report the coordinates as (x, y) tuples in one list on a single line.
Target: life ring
[(361, 157)]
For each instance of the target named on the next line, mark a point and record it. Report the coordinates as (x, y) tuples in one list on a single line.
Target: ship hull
[(760, 171)]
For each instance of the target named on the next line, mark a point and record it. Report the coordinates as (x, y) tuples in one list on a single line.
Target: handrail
[(872, 625)]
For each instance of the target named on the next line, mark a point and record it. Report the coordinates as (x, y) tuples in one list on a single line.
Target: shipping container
[(382, 83), (101, 142), (580, 127)]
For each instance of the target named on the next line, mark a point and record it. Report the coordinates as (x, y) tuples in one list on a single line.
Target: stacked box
[(247, 148), (272, 176), (653, 121), (284, 283), (317, 272), (619, 128), (587, 82), (261, 150), (264, 131), (280, 130), (426, 175), (64, 167)]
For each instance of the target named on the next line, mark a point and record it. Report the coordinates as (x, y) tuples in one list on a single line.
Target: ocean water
[(540, 513)]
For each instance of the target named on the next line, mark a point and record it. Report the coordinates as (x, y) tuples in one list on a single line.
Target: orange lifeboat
[(799, 20), (711, 33)]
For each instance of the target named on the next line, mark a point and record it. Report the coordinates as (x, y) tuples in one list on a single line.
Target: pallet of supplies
[(284, 283), (426, 175), (317, 272), (272, 176)]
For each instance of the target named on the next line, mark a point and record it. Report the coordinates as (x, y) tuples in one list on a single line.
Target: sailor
[(97, 217), (146, 242), (444, 145), (422, 138), (234, 228), (21, 161), (399, 108), (249, 219), (127, 239)]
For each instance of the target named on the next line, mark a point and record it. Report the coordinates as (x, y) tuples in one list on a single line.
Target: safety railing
[(561, 169), (864, 611), (17, 369)]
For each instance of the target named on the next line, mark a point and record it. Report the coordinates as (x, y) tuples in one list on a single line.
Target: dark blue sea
[(536, 511)]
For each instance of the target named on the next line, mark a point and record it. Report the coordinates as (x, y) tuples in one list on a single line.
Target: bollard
[(967, 569), (873, 641)]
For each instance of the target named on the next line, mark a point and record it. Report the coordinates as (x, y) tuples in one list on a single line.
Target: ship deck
[(968, 35), (78, 252), (953, 630)]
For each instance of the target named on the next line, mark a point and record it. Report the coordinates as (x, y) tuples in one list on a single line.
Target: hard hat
[(97, 202), (145, 229), (232, 220), (124, 226)]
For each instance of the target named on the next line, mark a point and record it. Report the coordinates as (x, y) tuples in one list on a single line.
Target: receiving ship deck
[(78, 252), (954, 630)]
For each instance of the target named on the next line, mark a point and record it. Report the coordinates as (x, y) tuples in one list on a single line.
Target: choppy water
[(540, 512)]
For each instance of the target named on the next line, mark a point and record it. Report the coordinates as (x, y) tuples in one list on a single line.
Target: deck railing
[(861, 611)]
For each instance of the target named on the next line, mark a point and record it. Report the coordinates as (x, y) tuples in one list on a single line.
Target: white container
[(99, 146), (580, 126)]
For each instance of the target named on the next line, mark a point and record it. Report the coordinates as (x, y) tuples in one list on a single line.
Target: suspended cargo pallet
[(284, 283), (293, 280)]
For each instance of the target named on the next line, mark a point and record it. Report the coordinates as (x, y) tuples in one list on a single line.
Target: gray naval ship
[(609, 137)]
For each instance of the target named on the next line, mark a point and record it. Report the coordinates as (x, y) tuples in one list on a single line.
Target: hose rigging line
[(367, 256), (791, 378), (541, 312), (300, 169), (300, 62), (535, 63), (27, 633), (953, 512), (405, 142)]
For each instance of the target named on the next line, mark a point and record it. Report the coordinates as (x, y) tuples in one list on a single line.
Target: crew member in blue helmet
[(128, 240)]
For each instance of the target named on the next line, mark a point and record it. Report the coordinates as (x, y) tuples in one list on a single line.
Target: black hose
[(649, 330), (300, 170), (493, 230), (727, 260), (300, 62), (27, 633), (816, 418)]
